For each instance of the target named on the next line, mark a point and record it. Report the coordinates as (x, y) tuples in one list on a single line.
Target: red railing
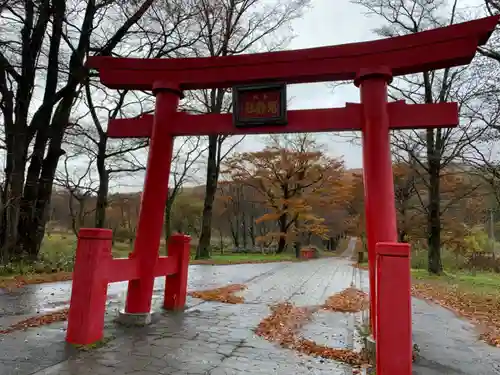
[(95, 268)]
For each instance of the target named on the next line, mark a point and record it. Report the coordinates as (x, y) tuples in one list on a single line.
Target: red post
[(394, 341), (369, 234), (377, 169), (90, 286), (154, 198), (176, 284)]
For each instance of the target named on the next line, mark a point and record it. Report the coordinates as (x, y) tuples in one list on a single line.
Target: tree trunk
[(297, 249), (361, 252), (298, 240), (102, 192), (13, 205), (33, 213), (402, 236), (251, 231), (281, 245), (41, 124), (81, 212), (435, 265), (283, 229), (203, 250), (236, 238), (243, 229), (167, 221), (36, 226), (221, 239), (15, 168), (235, 231)]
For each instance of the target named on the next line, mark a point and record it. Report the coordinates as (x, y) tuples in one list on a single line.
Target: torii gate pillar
[(380, 210), (153, 200)]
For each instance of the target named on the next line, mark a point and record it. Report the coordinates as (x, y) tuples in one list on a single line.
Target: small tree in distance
[(289, 175)]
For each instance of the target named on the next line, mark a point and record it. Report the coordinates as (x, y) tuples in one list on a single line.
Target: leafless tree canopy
[(53, 108)]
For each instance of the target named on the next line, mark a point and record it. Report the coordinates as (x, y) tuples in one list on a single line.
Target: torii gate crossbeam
[(349, 118)]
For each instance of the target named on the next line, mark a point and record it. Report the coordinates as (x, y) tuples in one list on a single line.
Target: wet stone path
[(208, 338), (214, 338)]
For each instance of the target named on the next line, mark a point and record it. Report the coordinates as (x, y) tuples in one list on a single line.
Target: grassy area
[(478, 282), (246, 258), (57, 260), (61, 247)]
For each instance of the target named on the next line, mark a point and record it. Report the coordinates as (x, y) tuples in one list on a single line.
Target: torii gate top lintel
[(433, 49)]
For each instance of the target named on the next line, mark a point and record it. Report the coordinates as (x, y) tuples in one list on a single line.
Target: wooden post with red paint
[(154, 198), (90, 286), (394, 337), (377, 169), (176, 284)]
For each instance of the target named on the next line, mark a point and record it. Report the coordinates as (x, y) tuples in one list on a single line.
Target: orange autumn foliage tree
[(290, 180), (408, 201), (354, 203), (465, 210), (462, 206)]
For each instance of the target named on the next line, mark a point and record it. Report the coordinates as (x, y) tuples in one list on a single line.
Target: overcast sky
[(328, 22)]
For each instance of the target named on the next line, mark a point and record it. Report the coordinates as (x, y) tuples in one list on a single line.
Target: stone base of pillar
[(128, 319)]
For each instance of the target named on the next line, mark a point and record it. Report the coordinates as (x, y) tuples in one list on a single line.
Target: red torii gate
[(371, 65)]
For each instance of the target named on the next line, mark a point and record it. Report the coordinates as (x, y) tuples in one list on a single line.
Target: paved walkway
[(213, 338)]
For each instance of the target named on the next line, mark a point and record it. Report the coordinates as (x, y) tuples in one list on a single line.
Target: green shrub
[(451, 261)]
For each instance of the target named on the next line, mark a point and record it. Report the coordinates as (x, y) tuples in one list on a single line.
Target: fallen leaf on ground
[(283, 323), (283, 326), (349, 300), (343, 355), (224, 294), (481, 309), (38, 321)]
